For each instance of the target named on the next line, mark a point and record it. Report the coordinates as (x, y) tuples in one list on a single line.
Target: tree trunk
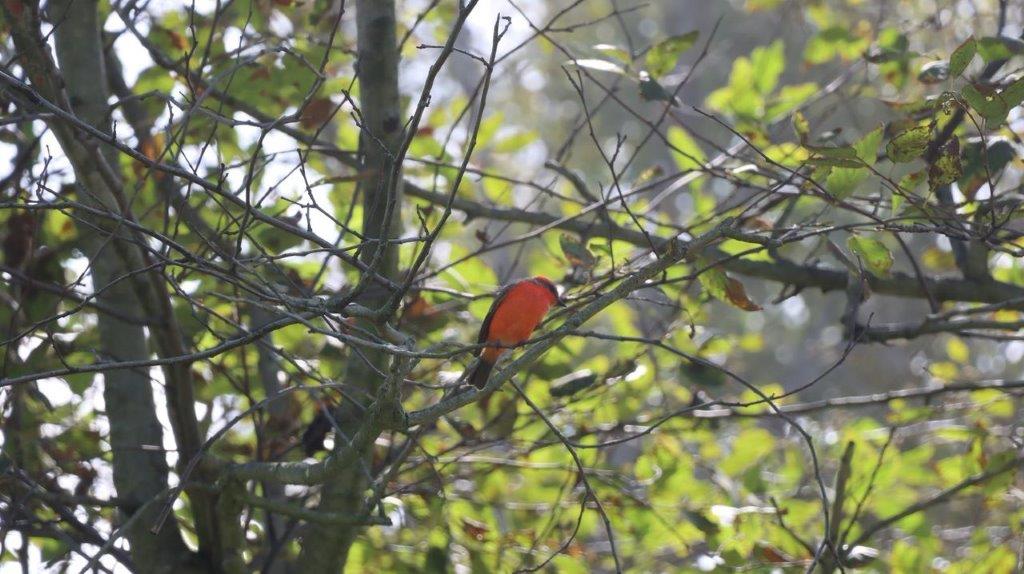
[(136, 438), (325, 548)]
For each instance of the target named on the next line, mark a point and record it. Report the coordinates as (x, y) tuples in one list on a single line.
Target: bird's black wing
[(482, 338)]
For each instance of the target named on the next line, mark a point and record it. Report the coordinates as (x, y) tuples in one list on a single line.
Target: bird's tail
[(482, 372)]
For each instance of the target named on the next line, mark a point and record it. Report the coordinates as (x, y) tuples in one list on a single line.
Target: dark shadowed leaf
[(981, 163), (934, 72), (947, 167), (653, 91), (572, 383)]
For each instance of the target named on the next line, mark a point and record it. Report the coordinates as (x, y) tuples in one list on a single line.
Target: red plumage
[(515, 314)]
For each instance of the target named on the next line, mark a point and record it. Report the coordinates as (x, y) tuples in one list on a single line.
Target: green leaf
[(844, 152), (947, 167), (958, 351), (801, 126), (909, 144), (515, 142), (872, 253), (685, 152), (843, 181), (662, 57), (1013, 95), (748, 448), (835, 162), (994, 105), (907, 185), (53, 550), (489, 128), (892, 46), (789, 98), (962, 56), (713, 281), (867, 147), (737, 98), (986, 104), (154, 79), (832, 42), (993, 48), (768, 63)]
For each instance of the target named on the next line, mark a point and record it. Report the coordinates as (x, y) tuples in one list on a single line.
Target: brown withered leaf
[(151, 147), (418, 308), (737, 295), (19, 239), (260, 73), (316, 113), (576, 251), (176, 39), (771, 554), (475, 529)]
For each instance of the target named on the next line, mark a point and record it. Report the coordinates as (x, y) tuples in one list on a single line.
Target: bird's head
[(547, 284)]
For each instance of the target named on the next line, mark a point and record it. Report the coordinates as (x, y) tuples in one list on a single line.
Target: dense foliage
[(788, 232)]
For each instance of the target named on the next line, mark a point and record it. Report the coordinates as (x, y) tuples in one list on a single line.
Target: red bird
[(515, 313)]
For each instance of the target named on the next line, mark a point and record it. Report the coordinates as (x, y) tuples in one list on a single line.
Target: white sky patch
[(280, 25), (160, 400), (1014, 351), (35, 559), (161, 7), (795, 310), (8, 152), (132, 54), (232, 37), (57, 391), (92, 402), (58, 162), (481, 24), (27, 345)]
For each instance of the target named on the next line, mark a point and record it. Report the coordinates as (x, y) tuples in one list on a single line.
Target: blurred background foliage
[(489, 488)]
